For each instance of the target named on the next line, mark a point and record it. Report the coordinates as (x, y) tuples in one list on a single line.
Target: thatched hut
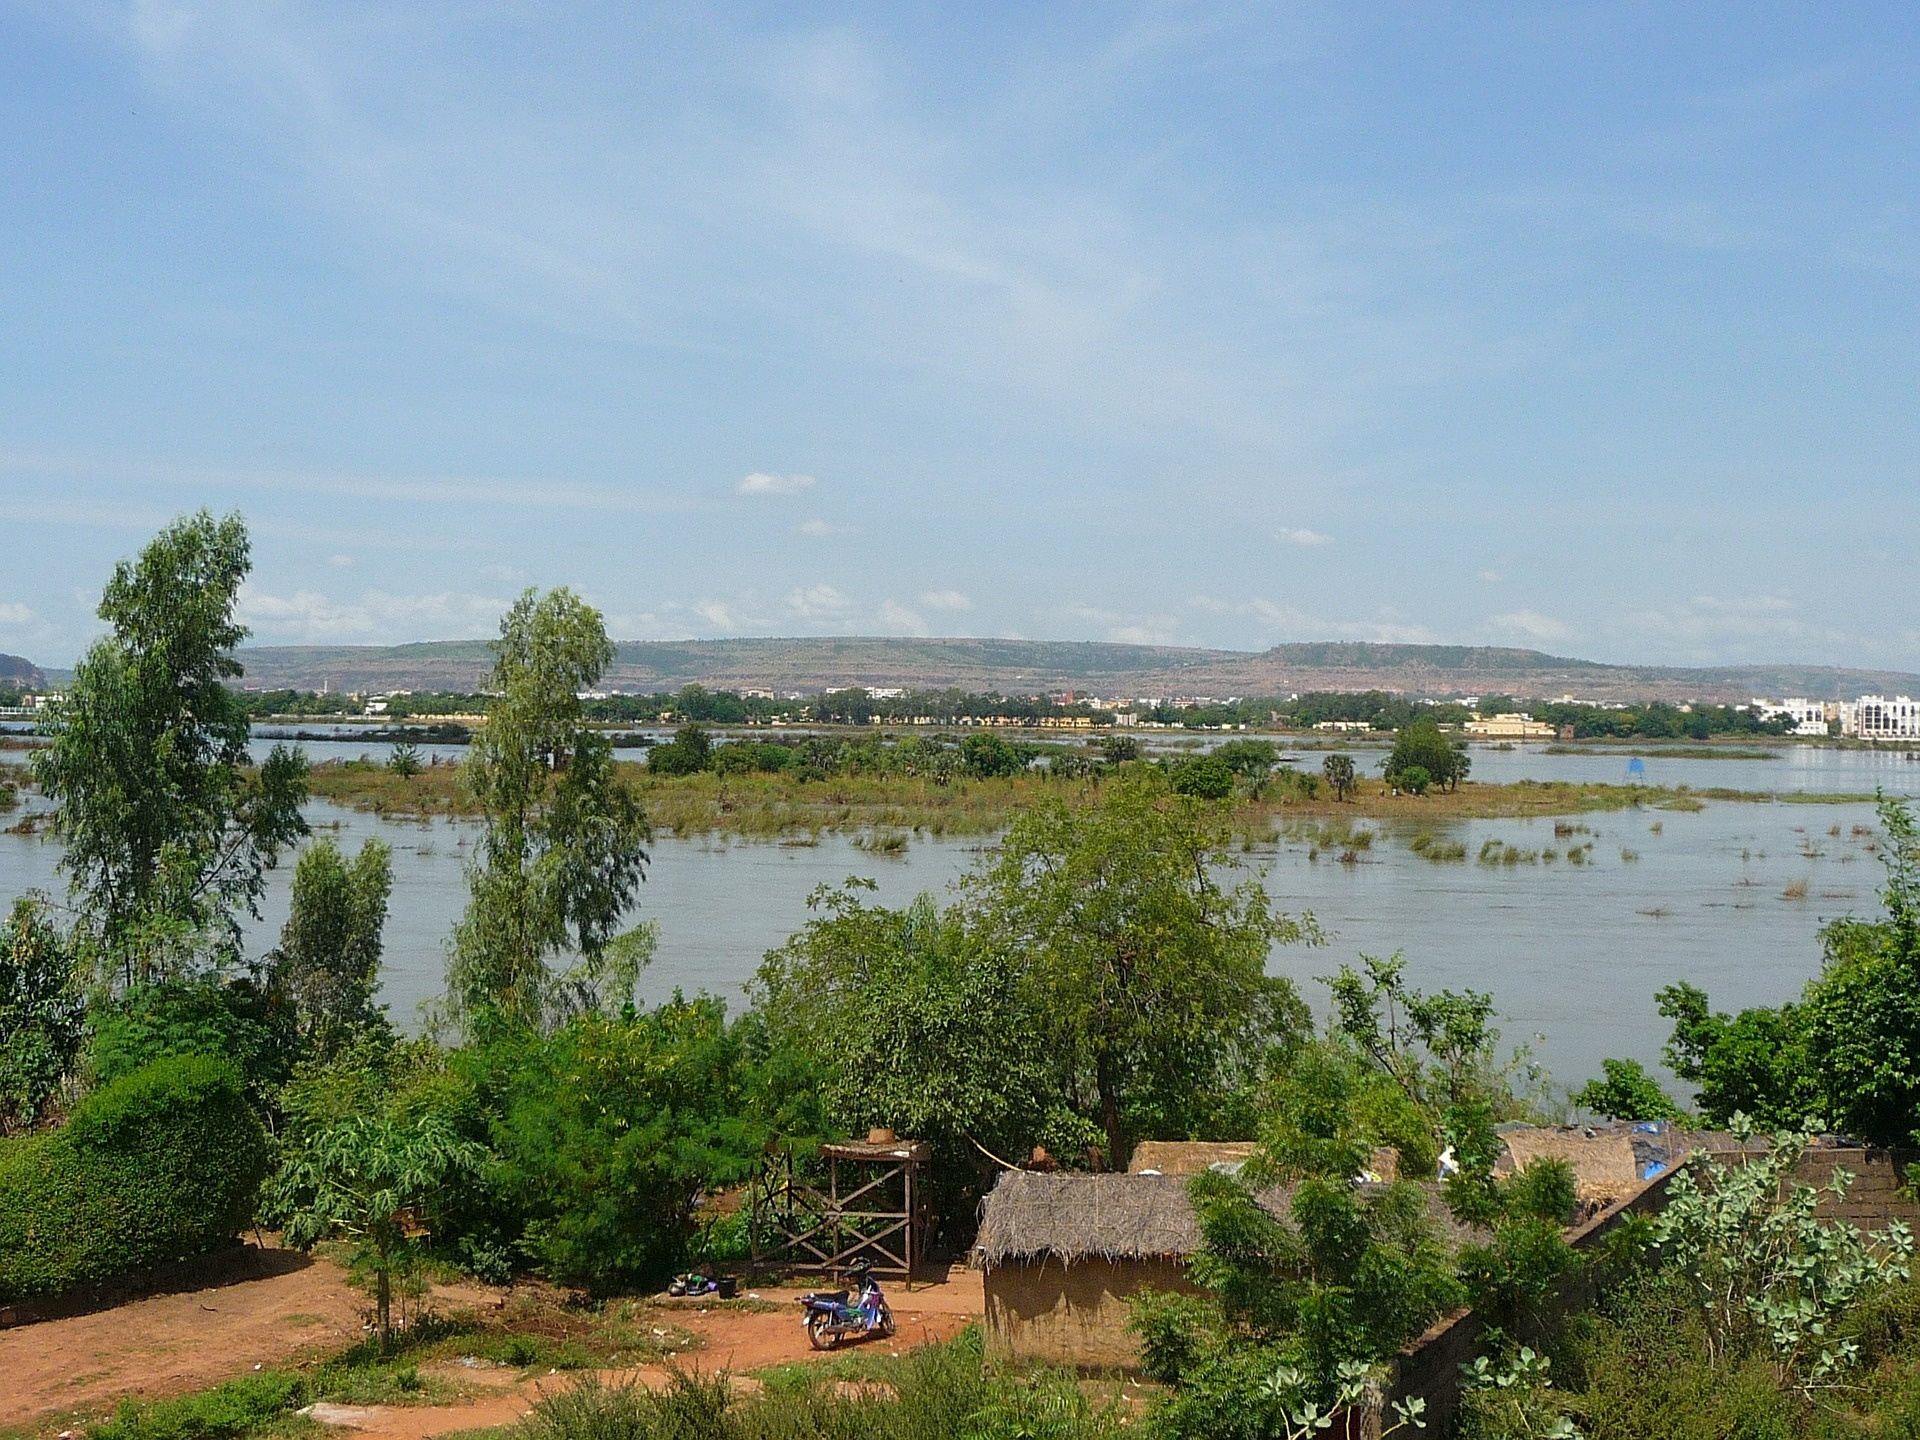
[(1063, 1254), (1187, 1157)]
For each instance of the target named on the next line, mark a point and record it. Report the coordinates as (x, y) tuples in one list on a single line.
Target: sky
[(1590, 328)]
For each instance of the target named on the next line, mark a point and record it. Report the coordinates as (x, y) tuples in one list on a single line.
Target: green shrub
[(225, 1412), (161, 1164)]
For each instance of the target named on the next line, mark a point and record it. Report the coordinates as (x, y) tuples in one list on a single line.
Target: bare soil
[(286, 1308)]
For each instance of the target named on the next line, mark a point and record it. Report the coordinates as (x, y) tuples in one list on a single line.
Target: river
[(1730, 897)]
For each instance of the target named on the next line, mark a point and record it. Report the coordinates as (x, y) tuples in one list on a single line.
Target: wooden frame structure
[(872, 1211)]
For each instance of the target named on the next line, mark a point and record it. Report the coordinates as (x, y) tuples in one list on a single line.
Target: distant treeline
[(1377, 708)]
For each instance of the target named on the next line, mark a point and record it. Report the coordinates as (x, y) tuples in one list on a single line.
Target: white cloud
[(1708, 623), (1492, 577), (1532, 624), (509, 573), (341, 562), (1154, 632), (15, 616), (897, 619), (718, 614), (1307, 538), (945, 600), (760, 482), (818, 602), (376, 616), (819, 529)]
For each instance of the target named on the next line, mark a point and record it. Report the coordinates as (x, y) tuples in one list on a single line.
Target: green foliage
[(160, 1164), (1754, 1063), (688, 753), (1205, 777), (367, 1178), (1438, 1048), (607, 1131), (988, 757), (231, 1411), (235, 1021), (1768, 1276), (1249, 759), (1626, 1093), (168, 828), (1149, 979), (1421, 746), (1513, 1401), (405, 761), (41, 1014), (908, 1021), (1296, 1313), (1415, 780), (1328, 1110), (328, 959), (564, 849)]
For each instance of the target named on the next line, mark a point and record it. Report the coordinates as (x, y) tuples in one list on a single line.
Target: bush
[(688, 753), (1205, 777), (250, 1028), (225, 1412), (161, 1164), (1627, 1093)]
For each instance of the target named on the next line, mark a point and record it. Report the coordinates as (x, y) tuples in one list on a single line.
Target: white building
[(1880, 717), (1809, 716)]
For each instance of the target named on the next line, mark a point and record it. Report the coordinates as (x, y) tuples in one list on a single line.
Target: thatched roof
[(1073, 1217), (1187, 1157), (1078, 1217)]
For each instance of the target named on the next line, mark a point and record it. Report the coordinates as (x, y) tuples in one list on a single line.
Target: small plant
[(1514, 1401), (405, 761)]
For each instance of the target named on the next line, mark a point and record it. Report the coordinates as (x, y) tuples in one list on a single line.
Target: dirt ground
[(286, 1306)]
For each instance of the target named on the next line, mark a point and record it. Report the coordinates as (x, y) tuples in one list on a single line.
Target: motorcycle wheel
[(819, 1331), (886, 1321)]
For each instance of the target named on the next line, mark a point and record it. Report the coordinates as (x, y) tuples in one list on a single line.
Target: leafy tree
[(237, 1021), (1754, 1063), (1205, 777), (405, 761), (168, 829), (371, 1179), (1438, 1048), (564, 846), (42, 1014), (1421, 745), (688, 753), (1626, 1093), (1338, 772), (1149, 979), (1119, 749), (988, 757), (1414, 780), (908, 1022), (609, 1129), (328, 959), (1249, 759)]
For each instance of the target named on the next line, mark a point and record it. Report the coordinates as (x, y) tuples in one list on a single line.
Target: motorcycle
[(833, 1315)]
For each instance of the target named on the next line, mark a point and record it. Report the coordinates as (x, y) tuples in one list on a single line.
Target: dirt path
[(269, 1308), (279, 1306)]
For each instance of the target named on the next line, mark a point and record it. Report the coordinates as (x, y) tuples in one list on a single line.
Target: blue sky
[(1591, 328)]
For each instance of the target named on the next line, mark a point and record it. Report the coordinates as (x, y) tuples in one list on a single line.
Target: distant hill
[(1020, 666), (19, 673)]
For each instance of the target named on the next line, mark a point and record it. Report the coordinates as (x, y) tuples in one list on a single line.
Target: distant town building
[(1513, 725), (1881, 717), (1809, 717), (1343, 725)]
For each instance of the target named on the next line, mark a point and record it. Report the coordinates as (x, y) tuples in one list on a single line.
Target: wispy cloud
[(762, 482), (1531, 624), (818, 602), (821, 529), (897, 619), (945, 600), (309, 616), (1308, 538), (15, 616)]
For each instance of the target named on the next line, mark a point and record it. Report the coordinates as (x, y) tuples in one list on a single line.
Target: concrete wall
[(1073, 1314)]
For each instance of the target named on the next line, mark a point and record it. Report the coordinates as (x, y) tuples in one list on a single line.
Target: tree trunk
[(383, 1302), (1110, 1115)]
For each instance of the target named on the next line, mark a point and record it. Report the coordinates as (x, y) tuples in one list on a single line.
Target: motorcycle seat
[(838, 1297)]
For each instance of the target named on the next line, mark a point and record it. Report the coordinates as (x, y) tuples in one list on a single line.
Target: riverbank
[(777, 806)]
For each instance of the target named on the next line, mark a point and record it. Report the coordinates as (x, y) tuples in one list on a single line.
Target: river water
[(1730, 897)]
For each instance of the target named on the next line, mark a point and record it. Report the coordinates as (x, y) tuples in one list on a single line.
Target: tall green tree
[(564, 849), (328, 959), (168, 829), (1147, 974)]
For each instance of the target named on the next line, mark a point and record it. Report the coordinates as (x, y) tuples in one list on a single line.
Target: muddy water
[(1730, 897)]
